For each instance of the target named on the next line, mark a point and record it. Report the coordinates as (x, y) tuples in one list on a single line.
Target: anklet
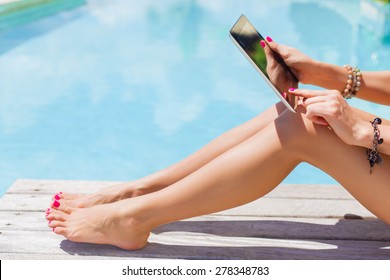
[(373, 156), (353, 82)]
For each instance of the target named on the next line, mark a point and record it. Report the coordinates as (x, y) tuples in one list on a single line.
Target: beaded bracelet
[(353, 82), (373, 156)]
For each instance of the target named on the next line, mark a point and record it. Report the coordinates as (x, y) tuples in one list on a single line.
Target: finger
[(316, 119), (266, 48), (317, 113), (306, 93), (263, 43), (319, 120), (272, 44), (280, 49), (268, 53), (313, 100)]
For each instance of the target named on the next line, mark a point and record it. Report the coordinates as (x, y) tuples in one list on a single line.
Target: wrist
[(328, 75), (308, 73), (363, 135), (313, 74)]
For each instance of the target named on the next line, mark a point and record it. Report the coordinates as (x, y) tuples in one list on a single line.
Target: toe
[(47, 212), (57, 196), (56, 215), (56, 223), (60, 230), (55, 204), (61, 205), (70, 196)]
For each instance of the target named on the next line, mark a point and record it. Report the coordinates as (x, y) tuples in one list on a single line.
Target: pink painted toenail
[(57, 197), (56, 203)]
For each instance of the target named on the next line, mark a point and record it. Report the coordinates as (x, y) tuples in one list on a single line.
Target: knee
[(292, 128), (297, 133)]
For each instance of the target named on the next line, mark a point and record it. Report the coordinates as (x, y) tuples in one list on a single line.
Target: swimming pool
[(115, 90)]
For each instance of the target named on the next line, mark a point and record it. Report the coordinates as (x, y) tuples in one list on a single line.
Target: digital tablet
[(247, 39)]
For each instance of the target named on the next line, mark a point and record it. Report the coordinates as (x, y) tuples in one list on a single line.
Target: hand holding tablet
[(268, 63)]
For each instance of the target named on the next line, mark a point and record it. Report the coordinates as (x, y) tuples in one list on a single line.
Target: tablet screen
[(248, 38)]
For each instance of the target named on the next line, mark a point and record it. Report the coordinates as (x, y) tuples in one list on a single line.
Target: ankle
[(131, 189), (136, 216), (149, 184)]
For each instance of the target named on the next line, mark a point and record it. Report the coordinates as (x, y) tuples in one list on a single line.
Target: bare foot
[(66, 201), (119, 224)]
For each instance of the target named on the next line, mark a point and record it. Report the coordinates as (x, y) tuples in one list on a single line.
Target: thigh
[(318, 145)]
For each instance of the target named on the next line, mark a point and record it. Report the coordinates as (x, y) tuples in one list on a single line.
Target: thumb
[(267, 49), (280, 49)]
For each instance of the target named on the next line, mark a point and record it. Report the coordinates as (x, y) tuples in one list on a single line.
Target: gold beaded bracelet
[(353, 82)]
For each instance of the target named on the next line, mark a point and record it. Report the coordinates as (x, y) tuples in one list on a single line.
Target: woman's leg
[(176, 172), (241, 175)]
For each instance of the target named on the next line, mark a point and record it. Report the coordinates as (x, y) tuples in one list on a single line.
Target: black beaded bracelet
[(373, 156)]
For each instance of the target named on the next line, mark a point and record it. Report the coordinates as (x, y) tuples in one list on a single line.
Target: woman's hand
[(300, 64), (328, 107), (277, 73)]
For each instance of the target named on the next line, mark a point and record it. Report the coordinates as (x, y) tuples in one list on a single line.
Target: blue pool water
[(118, 89)]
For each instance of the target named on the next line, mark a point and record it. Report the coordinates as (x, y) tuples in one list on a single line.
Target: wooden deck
[(292, 222)]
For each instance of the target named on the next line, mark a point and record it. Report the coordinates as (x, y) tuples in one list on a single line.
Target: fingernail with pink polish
[(284, 95), (56, 203), (291, 89), (269, 39), (262, 44)]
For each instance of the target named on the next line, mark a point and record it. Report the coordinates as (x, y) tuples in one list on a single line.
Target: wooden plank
[(39, 256), (196, 246), (29, 242), (40, 192), (27, 186), (310, 191), (30, 186), (292, 222), (283, 207), (283, 228), (27, 221), (24, 202)]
